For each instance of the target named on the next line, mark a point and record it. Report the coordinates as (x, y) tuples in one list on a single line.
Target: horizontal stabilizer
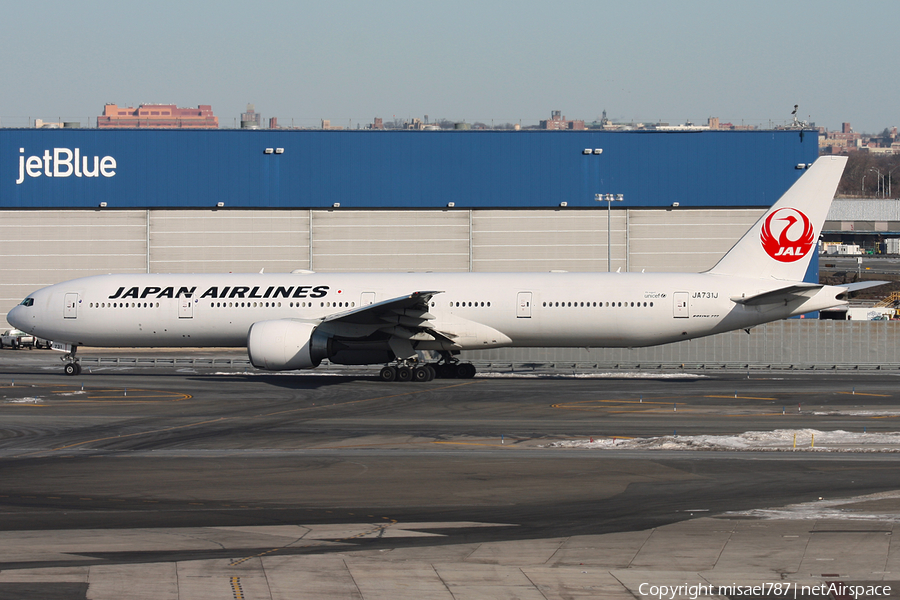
[(779, 296), (862, 285)]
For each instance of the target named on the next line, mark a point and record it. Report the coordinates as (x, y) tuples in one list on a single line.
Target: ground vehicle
[(15, 339)]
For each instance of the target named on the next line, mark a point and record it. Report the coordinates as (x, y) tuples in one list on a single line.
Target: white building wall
[(211, 241), (390, 240), (546, 240), (42, 247), (684, 241)]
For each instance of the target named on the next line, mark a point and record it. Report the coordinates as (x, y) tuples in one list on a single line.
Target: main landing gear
[(427, 372), (71, 366)]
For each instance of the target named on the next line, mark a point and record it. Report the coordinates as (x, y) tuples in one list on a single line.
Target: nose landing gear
[(71, 366)]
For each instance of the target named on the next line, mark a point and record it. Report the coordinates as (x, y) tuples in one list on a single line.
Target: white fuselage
[(480, 310)]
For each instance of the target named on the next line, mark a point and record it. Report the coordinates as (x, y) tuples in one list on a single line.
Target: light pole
[(880, 182), (609, 198), (889, 181)]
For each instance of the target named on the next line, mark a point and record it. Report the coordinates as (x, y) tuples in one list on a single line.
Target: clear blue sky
[(506, 61)]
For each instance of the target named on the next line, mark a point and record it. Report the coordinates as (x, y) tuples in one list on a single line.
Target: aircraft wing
[(411, 309), (404, 320), (780, 296)]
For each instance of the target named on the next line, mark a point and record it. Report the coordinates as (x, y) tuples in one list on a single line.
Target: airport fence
[(795, 345)]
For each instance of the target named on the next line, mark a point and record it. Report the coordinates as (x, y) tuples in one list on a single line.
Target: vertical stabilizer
[(781, 243)]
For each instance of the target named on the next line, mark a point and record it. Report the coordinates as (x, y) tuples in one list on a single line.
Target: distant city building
[(251, 119), (415, 125), (840, 142), (42, 124), (559, 122), (378, 124), (847, 141), (158, 115)]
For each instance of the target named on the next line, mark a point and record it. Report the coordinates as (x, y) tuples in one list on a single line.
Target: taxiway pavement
[(183, 483)]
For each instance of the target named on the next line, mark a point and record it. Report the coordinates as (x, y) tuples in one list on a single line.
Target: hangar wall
[(143, 168), (43, 247), (76, 202)]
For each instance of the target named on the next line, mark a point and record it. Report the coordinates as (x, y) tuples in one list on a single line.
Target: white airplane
[(295, 320)]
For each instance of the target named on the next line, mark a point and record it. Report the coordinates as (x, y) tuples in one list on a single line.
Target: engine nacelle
[(284, 345)]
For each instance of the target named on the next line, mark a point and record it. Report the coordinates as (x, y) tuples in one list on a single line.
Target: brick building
[(158, 115)]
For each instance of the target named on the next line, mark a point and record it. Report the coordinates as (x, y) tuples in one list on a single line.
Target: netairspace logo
[(784, 589), (64, 162)]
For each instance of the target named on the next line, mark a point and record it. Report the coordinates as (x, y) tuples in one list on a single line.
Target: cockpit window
[(28, 302)]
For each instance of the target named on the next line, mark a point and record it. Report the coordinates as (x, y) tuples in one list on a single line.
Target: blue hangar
[(76, 202), (81, 168)]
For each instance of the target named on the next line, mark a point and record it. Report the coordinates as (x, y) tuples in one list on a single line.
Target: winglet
[(781, 243)]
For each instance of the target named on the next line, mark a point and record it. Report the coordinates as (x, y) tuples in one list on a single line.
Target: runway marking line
[(236, 588), (125, 435), (494, 445), (68, 388), (575, 405), (222, 419), (419, 391), (594, 405), (741, 397)]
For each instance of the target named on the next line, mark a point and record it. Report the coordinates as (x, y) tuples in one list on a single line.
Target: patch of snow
[(779, 440), (825, 509), (610, 375)]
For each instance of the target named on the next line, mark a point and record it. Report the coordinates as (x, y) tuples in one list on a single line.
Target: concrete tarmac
[(165, 483)]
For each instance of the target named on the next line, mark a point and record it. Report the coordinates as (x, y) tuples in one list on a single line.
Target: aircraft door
[(367, 298), (682, 305), (185, 308), (523, 305), (71, 307)]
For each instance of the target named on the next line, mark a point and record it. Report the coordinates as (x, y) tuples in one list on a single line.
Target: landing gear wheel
[(432, 373), (388, 374), (465, 371), (404, 373), (72, 369), (447, 371), (423, 374)]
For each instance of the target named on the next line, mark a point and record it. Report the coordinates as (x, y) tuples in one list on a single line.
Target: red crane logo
[(792, 238)]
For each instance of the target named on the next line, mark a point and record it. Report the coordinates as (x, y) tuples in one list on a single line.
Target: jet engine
[(285, 345)]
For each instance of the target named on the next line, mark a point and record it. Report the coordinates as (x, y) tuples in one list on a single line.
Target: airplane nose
[(14, 317)]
